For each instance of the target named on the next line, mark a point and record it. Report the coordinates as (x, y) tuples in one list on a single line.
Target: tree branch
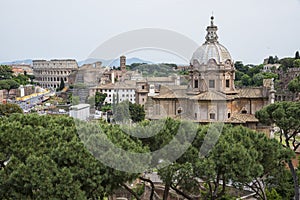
[(255, 189), (296, 147), (131, 191), (152, 186), (181, 193), (216, 185), (223, 188)]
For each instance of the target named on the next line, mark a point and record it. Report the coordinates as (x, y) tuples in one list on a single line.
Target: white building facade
[(80, 111), (118, 92)]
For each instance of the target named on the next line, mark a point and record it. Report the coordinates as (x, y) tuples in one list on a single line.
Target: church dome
[(211, 49)]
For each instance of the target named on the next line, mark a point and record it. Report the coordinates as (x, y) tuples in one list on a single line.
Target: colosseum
[(50, 73)]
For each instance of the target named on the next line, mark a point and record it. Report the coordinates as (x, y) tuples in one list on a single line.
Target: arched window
[(244, 111), (179, 110)]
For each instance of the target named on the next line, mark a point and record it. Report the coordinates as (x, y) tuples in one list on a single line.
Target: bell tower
[(123, 63)]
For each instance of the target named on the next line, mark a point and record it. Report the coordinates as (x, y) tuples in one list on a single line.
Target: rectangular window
[(227, 83), (211, 84), (196, 84), (212, 116)]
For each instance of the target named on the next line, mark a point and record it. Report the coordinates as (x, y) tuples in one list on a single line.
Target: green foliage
[(139, 189), (239, 75), (251, 75), (294, 85), (240, 67), (8, 109), (8, 85), (48, 160), (273, 195), (51, 158), (286, 116), (282, 183), (271, 60), (4, 85), (258, 78), (74, 100), (296, 63), (287, 62), (239, 156), (79, 86), (106, 107), (184, 72), (5, 72), (22, 79), (137, 112), (156, 70), (125, 111), (246, 80), (99, 99)]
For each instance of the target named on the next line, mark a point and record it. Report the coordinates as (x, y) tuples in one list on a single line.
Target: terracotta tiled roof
[(119, 85), (210, 95), (170, 95), (242, 118), (250, 93), (160, 79)]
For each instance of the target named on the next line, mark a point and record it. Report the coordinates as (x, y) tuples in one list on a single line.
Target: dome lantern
[(211, 36)]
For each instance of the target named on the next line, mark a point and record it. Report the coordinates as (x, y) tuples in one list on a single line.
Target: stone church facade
[(211, 95)]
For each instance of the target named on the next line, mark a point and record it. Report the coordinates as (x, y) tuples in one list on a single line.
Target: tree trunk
[(166, 192), (262, 189), (7, 96), (295, 179)]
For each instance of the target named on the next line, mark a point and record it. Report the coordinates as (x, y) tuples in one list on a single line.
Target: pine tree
[(62, 84), (271, 60), (297, 56)]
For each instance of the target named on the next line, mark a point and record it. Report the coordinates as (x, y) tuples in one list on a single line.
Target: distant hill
[(112, 62), (154, 70), (26, 62)]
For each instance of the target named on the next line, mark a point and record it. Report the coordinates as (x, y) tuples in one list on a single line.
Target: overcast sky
[(42, 29)]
